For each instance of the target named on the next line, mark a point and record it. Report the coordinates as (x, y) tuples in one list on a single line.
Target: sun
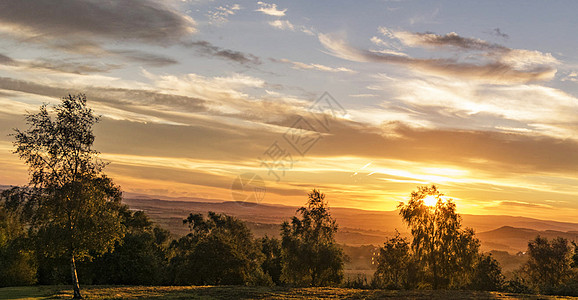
[(430, 200)]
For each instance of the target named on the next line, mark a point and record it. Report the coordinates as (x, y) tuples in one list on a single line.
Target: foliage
[(17, 264), (218, 250), (141, 257), (72, 205), (518, 284), (395, 264), (487, 275), (272, 264), (445, 253), (310, 254), (575, 255), (549, 263)]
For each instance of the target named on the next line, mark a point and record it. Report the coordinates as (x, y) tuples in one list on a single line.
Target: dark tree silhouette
[(445, 253), (17, 263), (272, 264), (310, 254), (487, 275), (549, 263), (72, 205), (395, 264), (220, 249), (140, 258)]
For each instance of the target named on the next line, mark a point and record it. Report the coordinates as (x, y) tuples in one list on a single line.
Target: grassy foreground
[(240, 292)]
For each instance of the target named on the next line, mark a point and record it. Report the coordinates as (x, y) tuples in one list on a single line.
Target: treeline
[(219, 250), (443, 255)]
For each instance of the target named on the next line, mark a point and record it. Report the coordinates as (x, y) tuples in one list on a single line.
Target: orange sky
[(205, 91)]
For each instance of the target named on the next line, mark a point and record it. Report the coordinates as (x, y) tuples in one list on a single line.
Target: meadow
[(243, 292)]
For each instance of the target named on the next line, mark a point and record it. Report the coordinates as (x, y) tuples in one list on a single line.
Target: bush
[(487, 275), (219, 250), (17, 264)]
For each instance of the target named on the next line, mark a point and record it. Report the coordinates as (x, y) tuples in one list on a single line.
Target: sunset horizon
[(364, 102)]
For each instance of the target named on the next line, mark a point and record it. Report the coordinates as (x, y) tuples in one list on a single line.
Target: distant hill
[(4, 187), (357, 227), (516, 239)]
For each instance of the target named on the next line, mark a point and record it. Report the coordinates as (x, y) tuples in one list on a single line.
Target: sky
[(363, 100)]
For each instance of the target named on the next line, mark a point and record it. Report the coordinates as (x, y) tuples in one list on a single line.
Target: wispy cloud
[(572, 76), (506, 69), (317, 67), (282, 24), (522, 108), (270, 9), (5, 60), (208, 49), (451, 39), (220, 15)]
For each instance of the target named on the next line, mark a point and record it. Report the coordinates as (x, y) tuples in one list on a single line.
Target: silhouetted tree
[(17, 264), (487, 275), (272, 264), (549, 263), (141, 257), (445, 253), (310, 254), (220, 249), (72, 204), (395, 264)]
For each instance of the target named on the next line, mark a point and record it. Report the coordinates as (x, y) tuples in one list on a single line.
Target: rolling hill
[(357, 227)]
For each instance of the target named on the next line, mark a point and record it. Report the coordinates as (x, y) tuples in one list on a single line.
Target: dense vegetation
[(69, 226)]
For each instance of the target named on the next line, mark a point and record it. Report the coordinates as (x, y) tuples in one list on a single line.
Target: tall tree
[(445, 252), (73, 205), (310, 254)]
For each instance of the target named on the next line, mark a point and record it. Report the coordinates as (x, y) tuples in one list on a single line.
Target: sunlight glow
[(430, 200)]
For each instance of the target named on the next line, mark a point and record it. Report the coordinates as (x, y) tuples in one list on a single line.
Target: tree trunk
[(75, 285), (435, 270)]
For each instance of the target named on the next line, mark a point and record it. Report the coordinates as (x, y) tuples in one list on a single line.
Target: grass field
[(240, 292)]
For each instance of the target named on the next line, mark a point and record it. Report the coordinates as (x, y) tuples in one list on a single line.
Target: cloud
[(518, 58), (286, 25), (84, 26), (208, 49), (161, 122), (282, 24), (132, 20), (524, 204), (318, 67), (573, 76), (454, 103), (363, 95), (270, 9), (498, 32), (497, 72), (147, 58), (451, 39), (221, 14), (69, 67), (490, 152), (5, 60)]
